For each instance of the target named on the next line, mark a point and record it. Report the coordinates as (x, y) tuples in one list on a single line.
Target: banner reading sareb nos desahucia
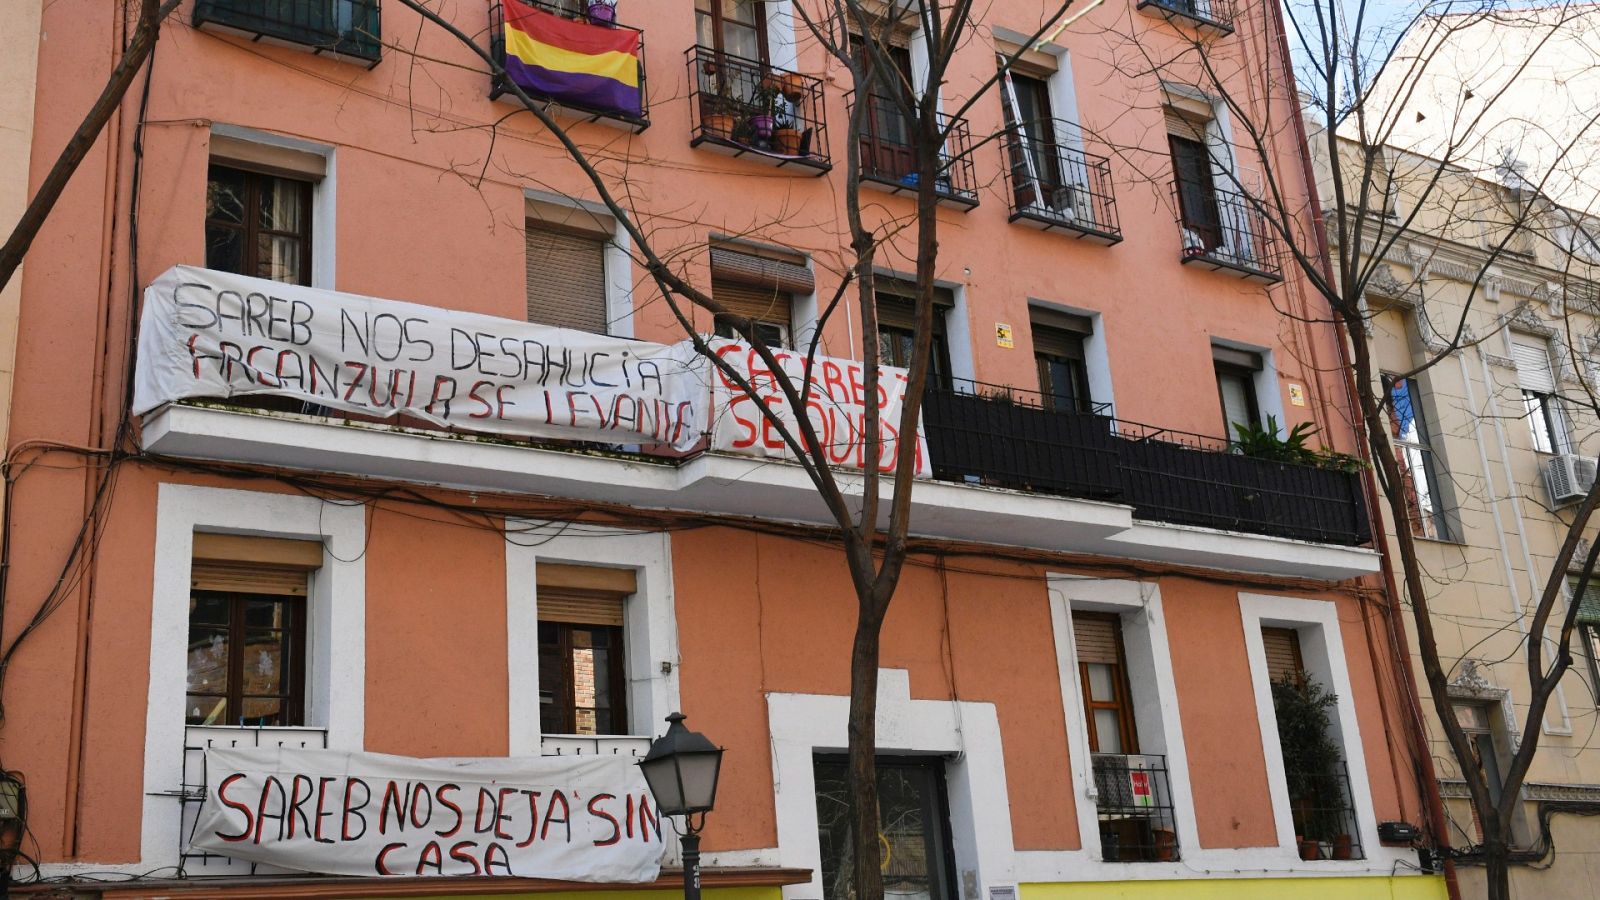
[(214, 334), (836, 405), (571, 818)]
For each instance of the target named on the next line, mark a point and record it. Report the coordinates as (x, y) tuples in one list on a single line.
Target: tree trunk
[(863, 770), (1497, 870)]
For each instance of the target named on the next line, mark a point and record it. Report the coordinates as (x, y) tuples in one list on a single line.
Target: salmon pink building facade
[(245, 540)]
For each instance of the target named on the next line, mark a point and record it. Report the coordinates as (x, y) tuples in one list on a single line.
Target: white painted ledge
[(716, 483)]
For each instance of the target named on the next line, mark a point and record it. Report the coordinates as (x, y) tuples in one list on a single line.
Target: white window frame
[(336, 645), (650, 632), (1155, 707), (617, 257), (324, 193), (1322, 652)]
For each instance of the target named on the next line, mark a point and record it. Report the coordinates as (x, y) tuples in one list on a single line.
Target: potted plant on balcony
[(785, 137), (763, 122), (603, 12), (792, 85), (1310, 760)]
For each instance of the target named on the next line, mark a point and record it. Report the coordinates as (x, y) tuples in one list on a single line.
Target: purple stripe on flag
[(577, 88)]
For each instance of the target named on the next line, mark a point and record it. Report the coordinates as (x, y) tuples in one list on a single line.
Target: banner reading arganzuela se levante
[(214, 334), (571, 818)]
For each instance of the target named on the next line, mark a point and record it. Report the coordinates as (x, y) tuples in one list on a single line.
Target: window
[(1540, 405), (735, 27), (1282, 646), (247, 630), (1103, 672), (918, 862), (759, 283), (566, 272), (1477, 721), (1196, 187), (1058, 354), (897, 330), (583, 684), (1236, 387), (1034, 156), (888, 145), (1408, 428), (1588, 626), (258, 224), (1320, 800)]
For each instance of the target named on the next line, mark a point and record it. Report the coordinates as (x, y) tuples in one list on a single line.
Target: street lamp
[(681, 769)]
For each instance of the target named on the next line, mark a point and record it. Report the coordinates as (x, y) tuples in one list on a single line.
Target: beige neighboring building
[(1499, 438), (19, 68)]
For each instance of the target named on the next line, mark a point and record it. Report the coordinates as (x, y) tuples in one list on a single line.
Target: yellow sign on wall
[(1002, 335)]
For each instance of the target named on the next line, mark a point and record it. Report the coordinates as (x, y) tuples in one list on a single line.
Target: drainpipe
[(1413, 699)]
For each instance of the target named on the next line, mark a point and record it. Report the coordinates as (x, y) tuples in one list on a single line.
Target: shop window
[(583, 684), (914, 828)]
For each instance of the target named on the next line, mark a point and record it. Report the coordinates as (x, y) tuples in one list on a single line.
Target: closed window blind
[(233, 563), (583, 595), (1185, 126), (751, 302), (566, 279), (1096, 638), (1283, 653), (1532, 356)]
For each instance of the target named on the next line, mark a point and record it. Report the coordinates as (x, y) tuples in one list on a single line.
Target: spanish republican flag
[(573, 62)]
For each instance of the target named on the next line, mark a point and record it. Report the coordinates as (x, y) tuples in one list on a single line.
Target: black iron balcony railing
[(600, 107), (1055, 185), (1324, 815), (889, 153), (1134, 805), (1225, 230), (1213, 15), (1001, 437), (343, 28), (740, 106)]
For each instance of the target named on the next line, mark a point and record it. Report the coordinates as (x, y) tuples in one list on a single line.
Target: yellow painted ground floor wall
[(1406, 887)]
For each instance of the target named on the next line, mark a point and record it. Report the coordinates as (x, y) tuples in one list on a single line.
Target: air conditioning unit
[(1568, 478)]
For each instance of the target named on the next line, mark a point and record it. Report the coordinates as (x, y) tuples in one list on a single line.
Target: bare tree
[(141, 41), (860, 37), (1367, 84)]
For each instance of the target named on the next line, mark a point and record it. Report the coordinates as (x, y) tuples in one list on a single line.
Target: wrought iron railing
[(1057, 185), (348, 28), (889, 151), (637, 120), (1133, 802), (749, 107), (1215, 14), (1224, 229), (191, 792), (1324, 815)]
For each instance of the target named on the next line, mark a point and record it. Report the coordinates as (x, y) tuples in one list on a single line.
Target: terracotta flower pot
[(1310, 850), (1342, 847), (786, 142), (1166, 845), (718, 125), (792, 86)]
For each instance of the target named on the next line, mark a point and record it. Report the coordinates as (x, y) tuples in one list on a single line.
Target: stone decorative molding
[(1472, 683), (1456, 789)]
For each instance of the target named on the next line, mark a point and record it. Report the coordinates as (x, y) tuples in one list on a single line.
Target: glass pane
[(1406, 425), (203, 710), (741, 11), (209, 609), (553, 697), (833, 830), (281, 208), (591, 682), (741, 41), (908, 859), (265, 614), (264, 655), (264, 711), (1107, 731), (224, 249), (208, 659), (704, 29), (1475, 717), (279, 258), (1235, 393), (225, 196), (1102, 686)]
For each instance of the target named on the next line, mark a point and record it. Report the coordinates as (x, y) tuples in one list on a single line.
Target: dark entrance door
[(914, 816)]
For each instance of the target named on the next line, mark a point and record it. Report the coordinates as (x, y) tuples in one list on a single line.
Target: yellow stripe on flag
[(615, 65)]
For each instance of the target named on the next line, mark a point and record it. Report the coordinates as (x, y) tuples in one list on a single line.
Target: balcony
[(1133, 802), (1055, 186), (344, 29), (889, 154), (571, 93), (741, 107), (1324, 815), (594, 745), (1224, 231), (191, 793), (1215, 16), (1013, 439)]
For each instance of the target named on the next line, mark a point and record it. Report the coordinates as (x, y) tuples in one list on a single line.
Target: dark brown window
[(897, 333), (1058, 354), (1034, 156), (1236, 388), (1197, 191), (583, 682), (258, 224), (914, 808), (735, 27), (1103, 673)]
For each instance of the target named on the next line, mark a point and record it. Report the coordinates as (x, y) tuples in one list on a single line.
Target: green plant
[(1311, 757), (1263, 442)]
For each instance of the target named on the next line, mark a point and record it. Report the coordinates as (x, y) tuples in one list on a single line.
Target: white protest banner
[(571, 818), (214, 334), (836, 406)]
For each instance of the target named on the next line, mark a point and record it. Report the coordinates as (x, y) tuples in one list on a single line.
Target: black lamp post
[(681, 769)]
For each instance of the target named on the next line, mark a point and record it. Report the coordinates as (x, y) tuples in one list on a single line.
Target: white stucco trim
[(335, 635), (966, 734), (782, 50), (650, 630), (1322, 651)]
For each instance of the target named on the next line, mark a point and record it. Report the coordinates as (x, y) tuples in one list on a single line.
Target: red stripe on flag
[(578, 37)]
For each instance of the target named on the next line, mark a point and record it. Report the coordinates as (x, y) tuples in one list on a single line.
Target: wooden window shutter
[(1532, 356), (235, 563), (752, 302), (890, 289), (788, 274), (1059, 333), (1185, 126), (1283, 653), (566, 279), (896, 312), (1095, 635), (583, 595)]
